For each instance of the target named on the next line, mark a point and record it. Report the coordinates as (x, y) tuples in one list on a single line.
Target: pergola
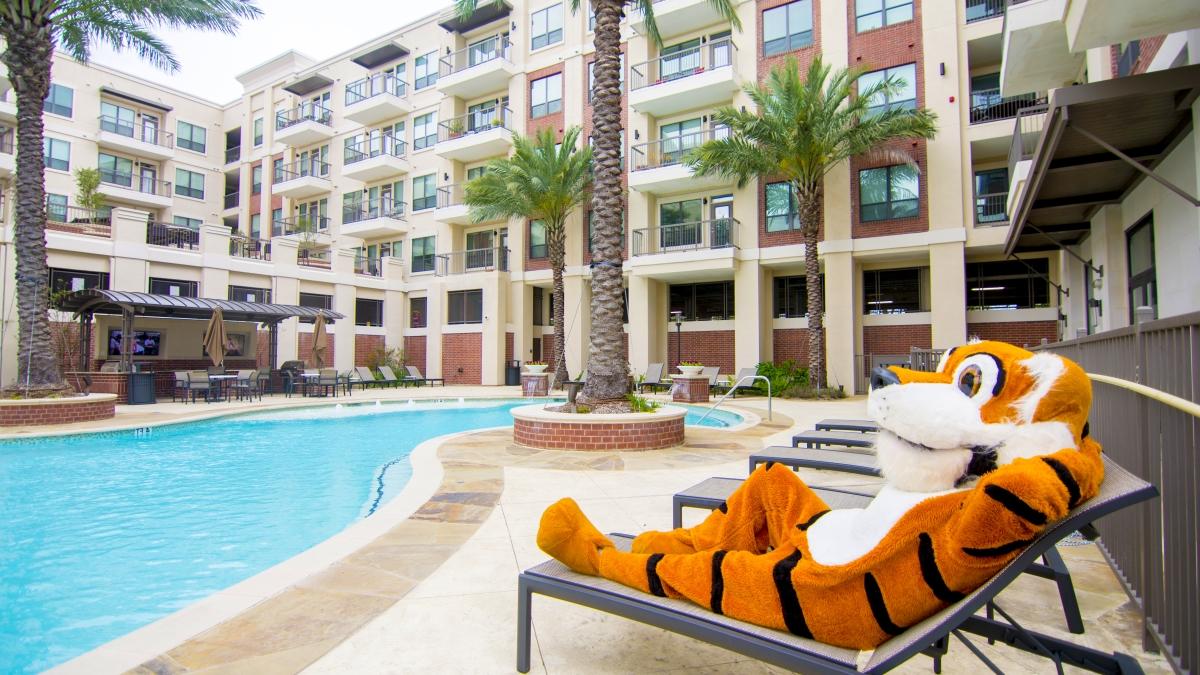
[(86, 304)]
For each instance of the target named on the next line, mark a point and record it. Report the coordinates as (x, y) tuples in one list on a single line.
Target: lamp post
[(677, 319)]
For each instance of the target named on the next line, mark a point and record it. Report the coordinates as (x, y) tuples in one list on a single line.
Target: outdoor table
[(222, 383), (309, 378)]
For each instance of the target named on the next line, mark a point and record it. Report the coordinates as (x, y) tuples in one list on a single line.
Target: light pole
[(677, 319)]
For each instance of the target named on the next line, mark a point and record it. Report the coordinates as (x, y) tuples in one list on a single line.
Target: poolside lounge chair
[(817, 458), (862, 426), (843, 439), (733, 384), (711, 372), (416, 377), (389, 377), (365, 378), (653, 379), (931, 636)]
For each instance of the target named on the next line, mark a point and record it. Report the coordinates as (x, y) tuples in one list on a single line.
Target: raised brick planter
[(689, 389), (535, 384), (535, 427), (45, 411)]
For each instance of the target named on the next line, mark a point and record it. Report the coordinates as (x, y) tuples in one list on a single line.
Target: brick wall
[(554, 121), (414, 352), (508, 348), (533, 263), (364, 346), (1147, 50), (304, 353), (62, 411), (598, 436), (548, 354), (712, 348), (896, 339), (1020, 333), (790, 344), (462, 351)]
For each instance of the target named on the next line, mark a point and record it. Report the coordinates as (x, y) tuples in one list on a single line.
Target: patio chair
[(653, 380), (345, 380), (389, 377), (930, 636), (328, 381), (862, 426), (846, 440), (180, 388), (415, 375), (365, 377), (246, 385), (308, 381), (198, 383)]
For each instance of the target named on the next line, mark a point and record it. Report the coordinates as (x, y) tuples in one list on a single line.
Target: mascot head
[(987, 404)]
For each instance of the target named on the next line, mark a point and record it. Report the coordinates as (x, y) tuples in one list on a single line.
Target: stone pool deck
[(436, 591)]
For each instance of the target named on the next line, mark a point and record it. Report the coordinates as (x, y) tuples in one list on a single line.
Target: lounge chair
[(389, 377), (735, 387), (416, 377), (711, 372), (653, 379), (862, 426), (366, 378), (843, 439), (1119, 490), (817, 458)]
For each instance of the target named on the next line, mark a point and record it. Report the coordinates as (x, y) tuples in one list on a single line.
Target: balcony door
[(720, 49), (1143, 277), (678, 138), (480, 115), (483, 51), (679, 60), (679, 224), (480, 252), (150, 129), (148, 176), (722, 221)]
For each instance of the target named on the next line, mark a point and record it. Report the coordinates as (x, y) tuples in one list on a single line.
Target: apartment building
[(338, 184)]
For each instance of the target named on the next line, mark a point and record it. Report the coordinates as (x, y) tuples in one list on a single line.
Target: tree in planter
[(607, 368), (88, 196), (32, 30), (802, 128), (539, 182)]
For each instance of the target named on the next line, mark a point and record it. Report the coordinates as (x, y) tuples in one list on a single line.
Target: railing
[(978, 10), (924, 360), (6, 144), (1026, 132), (375, 85), (483, 51), (475, 123), (232, 199), (705, 234), (987, 105), (684, 63), (1146, 381), (370, 209), (305, 112), (733, 390), (78, 220), (371, 267), (475, 260), (233, 154), (143, 184), (313, 258), (147, 133), (451, 195), (174, 236), (300, 225), (375, 146), (302, 168), (241, 246), (672, 150), (990, 208)]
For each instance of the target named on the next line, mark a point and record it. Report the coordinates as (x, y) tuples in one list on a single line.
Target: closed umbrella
[(320, 342), (215, 338)]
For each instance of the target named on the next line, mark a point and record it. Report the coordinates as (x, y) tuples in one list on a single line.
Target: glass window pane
[(904, 182), (872, 186), (862, 7), (908, 90), (774, 24)]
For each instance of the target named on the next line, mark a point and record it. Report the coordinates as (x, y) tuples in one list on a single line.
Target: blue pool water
[(101, 534)]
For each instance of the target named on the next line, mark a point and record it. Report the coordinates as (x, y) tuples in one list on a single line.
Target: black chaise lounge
[(415, 377), (846, 425), (817, 458), (843, 439)]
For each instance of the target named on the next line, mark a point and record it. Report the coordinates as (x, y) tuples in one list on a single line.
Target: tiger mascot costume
[(978, 458)]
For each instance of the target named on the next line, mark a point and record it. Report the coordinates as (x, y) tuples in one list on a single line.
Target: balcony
[(377, 98), (232, 200), (987, 105), (982, 10), (478, 70), (475, 136), (1026, 132), (125, 188), (1100, 23), (677, 17), (701, 77), (317, 258), (250, 248), (302, 227), (376, 158), (172, 236), (991, 209), (78, 220), (1036, 55), (474, 260), (302, 179), (303, 125), (140, 140), (233, 154), (8, 160), (452, 206), (373, 218), (369, 267), (697, 236), (658, 167)]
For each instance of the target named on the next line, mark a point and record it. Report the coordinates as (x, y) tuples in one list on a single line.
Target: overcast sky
[(318, 28)]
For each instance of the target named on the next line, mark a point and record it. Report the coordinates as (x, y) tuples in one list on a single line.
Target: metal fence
[(171, 235), (1152, 546)]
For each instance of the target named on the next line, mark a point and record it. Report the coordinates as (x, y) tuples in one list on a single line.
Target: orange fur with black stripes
[(979, 458)]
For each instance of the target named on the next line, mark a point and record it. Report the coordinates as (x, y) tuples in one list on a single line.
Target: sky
[(318, 28)]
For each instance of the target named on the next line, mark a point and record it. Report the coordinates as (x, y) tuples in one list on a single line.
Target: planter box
[(536, 427), (47, 411)]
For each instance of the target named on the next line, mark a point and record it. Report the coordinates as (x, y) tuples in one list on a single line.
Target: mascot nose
[(882, 377)]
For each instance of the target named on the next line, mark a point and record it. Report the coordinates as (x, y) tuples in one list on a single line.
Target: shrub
[(783, 376), (641, 404), (392, 357)]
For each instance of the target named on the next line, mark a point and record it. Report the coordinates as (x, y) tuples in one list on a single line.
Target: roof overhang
[(1073, 174), (377, 55), (308, 84), (486, 12), (109, 91), (101, 301)]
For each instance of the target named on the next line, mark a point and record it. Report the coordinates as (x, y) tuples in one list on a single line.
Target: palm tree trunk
[(555, 238), (28, 57), (608, 370), (809, 205)]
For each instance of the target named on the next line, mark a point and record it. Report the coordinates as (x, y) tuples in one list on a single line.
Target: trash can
[(141, 388), (512, 374)]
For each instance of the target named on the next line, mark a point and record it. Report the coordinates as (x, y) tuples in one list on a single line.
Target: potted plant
[(455, 127), (536, 366), (87, 182), (497, 122), (690, 368)]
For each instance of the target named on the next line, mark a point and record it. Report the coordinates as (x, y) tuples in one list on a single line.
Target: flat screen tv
[(145, 342)]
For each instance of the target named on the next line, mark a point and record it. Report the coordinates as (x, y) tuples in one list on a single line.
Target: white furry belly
[(845, 535)]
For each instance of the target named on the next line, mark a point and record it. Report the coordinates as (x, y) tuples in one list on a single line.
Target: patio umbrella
[(320, 342), (215, 338)]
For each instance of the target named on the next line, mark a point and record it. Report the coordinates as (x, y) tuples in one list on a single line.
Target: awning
[(98, 301), (308, 84), (377, 55), (1077, 165), (485, 13), (109, 91)]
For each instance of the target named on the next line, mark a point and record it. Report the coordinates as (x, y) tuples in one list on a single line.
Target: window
[(424, 192), (277, 171), (547, 26), (788, 27), (539, 306), (176, 287), (545, 96), (678, 139), (117, 119), (887, 192), (60, 100), (782, 213), (1008, 284), (191, 137), (878, 13), (703, 302), (679, 223), (368, 312), (57, 154), (895, 291), (424, 130), (475, 172), (465, 307), (258, 131), (425, 70), (537, 240), (422, 254), (791, 297), (189, 223), (115, 170), (1143, 279), (905, 95), (255, 225), (249, 294), (591, 13), (316, 300), (56, 208), (62, 280), (276, 226), (256, 179), (190, 183), (417, 312), (991, 196), (485, 115)]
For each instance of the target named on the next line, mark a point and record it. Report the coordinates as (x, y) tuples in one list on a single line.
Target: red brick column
[(537, 428), (535, 384), (689, 389)]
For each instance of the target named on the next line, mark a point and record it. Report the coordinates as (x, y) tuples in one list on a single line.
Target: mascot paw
[(567, 535)]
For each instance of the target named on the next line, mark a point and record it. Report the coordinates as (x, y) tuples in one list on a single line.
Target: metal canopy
[(99, 301), (484, 14), (1075, 170), (140, 100), (308, 84), (380, 54)]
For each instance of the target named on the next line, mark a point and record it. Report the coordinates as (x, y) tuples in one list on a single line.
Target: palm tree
[(802, 128), (32, 30), (608, 371), (545, 181)]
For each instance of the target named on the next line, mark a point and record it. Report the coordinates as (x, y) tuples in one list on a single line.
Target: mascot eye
[(970, 380), (979, 377)]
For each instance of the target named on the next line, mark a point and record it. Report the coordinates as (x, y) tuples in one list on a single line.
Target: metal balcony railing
[(232, 199), (175, 236), (673, 149), (233, 154), (301, 168), (375, 146), (987, 105), (305, 112), (311, 257), (990, 208), (1026, 132), (978, 10), (147, 133), (474, 260), (683, 63), (704, 234), (374, 208), (241, 246), (483, 51), (143, 184), (371, 267), (300, 225), (78, 220), (375, 85), (6, 144), (474, 123), (451, 195)]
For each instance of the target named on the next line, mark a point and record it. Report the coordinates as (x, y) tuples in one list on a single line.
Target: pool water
[(101, 534)]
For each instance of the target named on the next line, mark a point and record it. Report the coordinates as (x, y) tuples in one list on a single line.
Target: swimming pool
[(101, 534)]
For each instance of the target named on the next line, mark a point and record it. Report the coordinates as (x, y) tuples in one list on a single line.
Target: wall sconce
[(446, 177), (514, 26), (636, 134), (942, 69)]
